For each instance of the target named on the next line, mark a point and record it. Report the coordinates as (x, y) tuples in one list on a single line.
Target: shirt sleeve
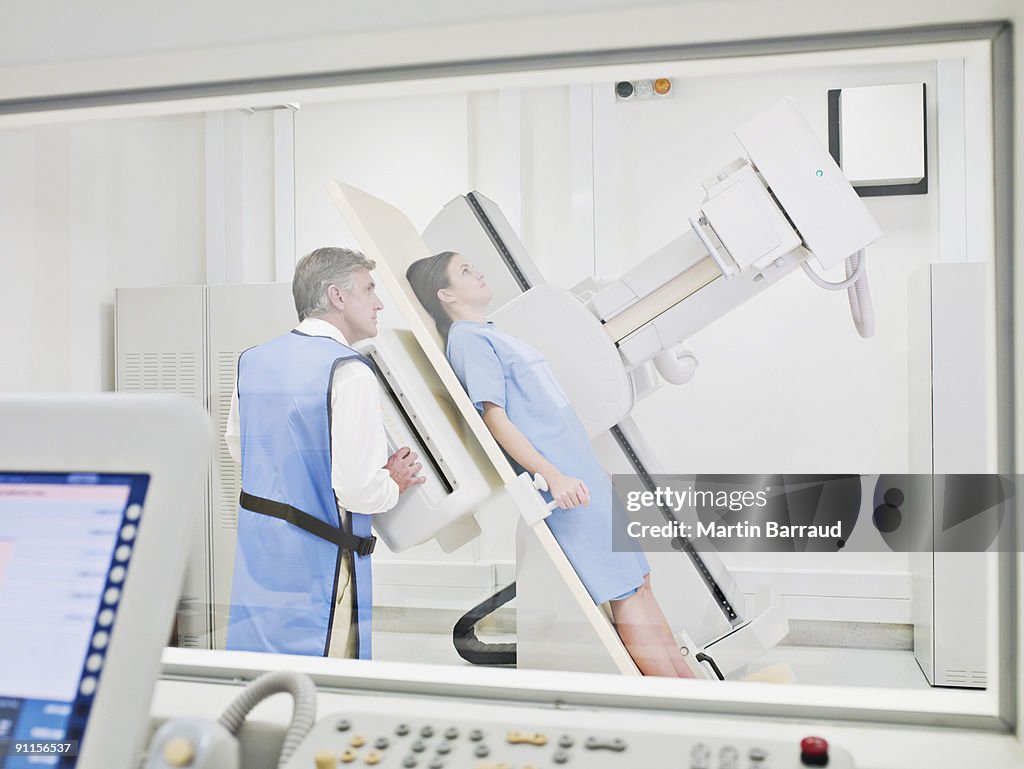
[(232, 431), (476, 364), (359, 445)]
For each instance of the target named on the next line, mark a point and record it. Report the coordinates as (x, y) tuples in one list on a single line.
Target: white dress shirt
[(358, 442)]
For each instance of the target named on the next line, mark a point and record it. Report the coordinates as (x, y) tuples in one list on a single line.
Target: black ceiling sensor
[(624, 89)]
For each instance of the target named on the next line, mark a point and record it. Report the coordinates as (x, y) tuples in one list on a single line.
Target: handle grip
[(540, 483)]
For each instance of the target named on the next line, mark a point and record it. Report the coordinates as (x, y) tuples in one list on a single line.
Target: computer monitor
[(98, 496)]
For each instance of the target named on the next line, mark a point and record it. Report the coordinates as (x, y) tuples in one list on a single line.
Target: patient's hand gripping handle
[(541, 484)]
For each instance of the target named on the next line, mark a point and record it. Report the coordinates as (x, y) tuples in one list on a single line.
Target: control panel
[(360, 740)]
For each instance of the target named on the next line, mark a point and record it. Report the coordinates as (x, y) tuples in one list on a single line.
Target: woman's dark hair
[(428, 276)]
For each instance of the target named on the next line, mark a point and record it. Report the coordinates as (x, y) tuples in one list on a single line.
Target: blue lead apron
[(290, 536)]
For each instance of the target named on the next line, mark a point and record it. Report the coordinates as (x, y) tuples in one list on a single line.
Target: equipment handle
[(728, 267), (540, 483)]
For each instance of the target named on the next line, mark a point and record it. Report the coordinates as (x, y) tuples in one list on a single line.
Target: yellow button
[(373, 757), (179, 751), (349, 756), (358, 741), (518, 738), (325, 760)]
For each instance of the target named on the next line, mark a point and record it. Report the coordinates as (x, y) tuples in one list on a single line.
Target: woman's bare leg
[(671, 644), (641, 625), (641, 639)]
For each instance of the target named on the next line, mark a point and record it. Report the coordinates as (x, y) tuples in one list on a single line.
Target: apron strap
[(343, 539)]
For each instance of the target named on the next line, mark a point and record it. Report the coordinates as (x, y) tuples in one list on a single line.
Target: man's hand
[(402, 466), (568, 492)]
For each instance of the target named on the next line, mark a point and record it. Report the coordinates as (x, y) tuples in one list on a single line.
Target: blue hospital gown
[(496, 367)]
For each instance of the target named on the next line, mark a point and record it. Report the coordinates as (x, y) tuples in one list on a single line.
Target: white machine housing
[(952, 431), (167, 438), (758, 217), (417, 414), (831, 219)]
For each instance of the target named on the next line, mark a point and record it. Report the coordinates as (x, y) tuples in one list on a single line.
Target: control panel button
[(444, 749), (343, 725), (382, 743), (418, 746), (373, 757), (482, 751), (427, 731), (476, 735), (409, 762), (565, 741), (325, 759), (700, 756), (402, 729), (757, 755), (524, 738), (358, 741), (814, 751), (348, 757), (593, 743), (451, 733), (560, 757), (179, 751)]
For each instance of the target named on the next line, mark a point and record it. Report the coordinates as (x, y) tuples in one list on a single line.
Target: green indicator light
[(819, 173)]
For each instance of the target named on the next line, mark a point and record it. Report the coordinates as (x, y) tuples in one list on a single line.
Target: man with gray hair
[(307, 426)]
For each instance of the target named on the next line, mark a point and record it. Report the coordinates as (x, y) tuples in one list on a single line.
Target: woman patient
[(524, 407)]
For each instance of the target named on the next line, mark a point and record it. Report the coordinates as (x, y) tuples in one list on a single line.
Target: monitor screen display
[(66, 541)]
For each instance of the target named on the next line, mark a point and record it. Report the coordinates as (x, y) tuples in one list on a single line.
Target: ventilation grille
[(229, 476), (968, 678), (191, 621), (161, 372)]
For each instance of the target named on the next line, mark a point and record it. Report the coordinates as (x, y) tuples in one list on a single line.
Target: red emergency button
[(814, 751)]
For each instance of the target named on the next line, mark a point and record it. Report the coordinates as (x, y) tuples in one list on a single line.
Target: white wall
[(411, 152), (88, 207), (85, 208), (240, 186)]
